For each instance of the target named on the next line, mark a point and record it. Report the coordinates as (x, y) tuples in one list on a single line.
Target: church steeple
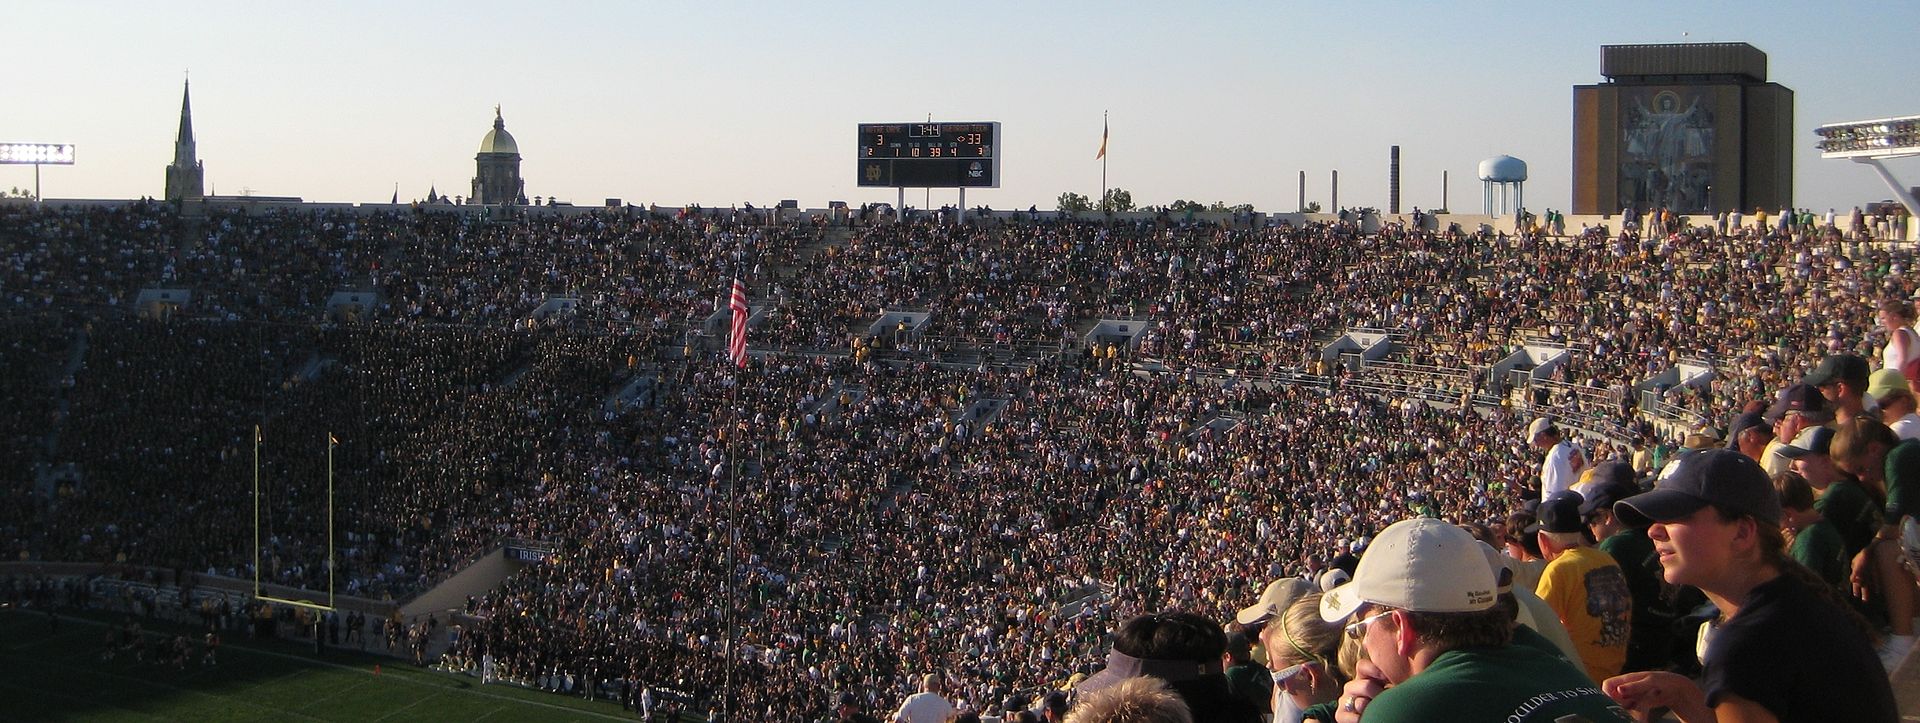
[(183, 150), (185, 175)]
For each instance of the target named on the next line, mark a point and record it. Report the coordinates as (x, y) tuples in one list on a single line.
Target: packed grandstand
[(987, 490)]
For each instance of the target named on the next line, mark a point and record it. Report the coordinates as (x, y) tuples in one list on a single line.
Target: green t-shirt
[(1819, 547), (1852, 512), (1515, 683), (1903, 480)]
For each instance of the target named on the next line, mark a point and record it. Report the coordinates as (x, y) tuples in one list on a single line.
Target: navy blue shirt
[(1799, 657)]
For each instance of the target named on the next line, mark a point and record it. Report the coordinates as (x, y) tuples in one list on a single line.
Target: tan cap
[(1278, 595)]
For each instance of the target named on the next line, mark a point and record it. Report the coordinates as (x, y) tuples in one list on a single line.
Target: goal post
[(259, 591)]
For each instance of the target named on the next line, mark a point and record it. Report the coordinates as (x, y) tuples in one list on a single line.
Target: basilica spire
[(184, 175)]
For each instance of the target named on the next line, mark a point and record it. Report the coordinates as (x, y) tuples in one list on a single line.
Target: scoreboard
[(929, 155)]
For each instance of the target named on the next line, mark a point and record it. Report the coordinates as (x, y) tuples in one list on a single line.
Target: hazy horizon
[(725, 103)]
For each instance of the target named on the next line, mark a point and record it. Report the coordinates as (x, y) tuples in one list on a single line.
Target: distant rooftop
[(1666, 62)]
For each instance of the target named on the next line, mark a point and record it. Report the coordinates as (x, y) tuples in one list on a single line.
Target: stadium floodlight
[(1873, 141), (36, 155), (52, 154)]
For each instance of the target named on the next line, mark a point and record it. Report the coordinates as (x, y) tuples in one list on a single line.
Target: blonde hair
[(1309, 639), (1141, 699)]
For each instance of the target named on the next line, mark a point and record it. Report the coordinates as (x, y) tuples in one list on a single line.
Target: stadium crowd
[(853, 520)]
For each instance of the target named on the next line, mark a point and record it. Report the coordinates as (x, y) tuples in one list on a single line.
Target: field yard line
[(69, 696), (397, 711), (402, 678), (309, 704)]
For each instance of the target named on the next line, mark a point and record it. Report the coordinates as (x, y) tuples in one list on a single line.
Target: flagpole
[(1103, 165), (330, 566), (256, 510)]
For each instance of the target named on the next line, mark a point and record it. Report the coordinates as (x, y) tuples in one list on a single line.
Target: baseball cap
[(1885, 380), (1421, 564), (1613, 481), (1741, 423), (1539, 425), (1810, 441), (1847, 368), (1275, 598), (1720, 477), (1803, 398), (1560, 513)]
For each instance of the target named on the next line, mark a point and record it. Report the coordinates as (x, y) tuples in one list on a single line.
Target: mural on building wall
[(1666, 150)]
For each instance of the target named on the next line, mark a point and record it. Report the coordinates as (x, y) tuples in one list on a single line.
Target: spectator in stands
[(1303, 651), (1656, 608), (1423, 605), (1842, 379), (1750, 435), (1796, 408), (1141, 699), (1246, 678), (1564, 461), (849, 710), (1584, 586), (926, 706), (1183, 649), (1885, 464), (1890, 392), (1812, 541), (1717, 524), (1902, 352), (1841, 500)]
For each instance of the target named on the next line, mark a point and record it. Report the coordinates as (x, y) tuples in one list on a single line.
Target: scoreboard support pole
[(963, 205), (900, 204)]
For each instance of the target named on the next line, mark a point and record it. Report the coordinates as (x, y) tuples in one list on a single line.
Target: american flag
[(737, 344)]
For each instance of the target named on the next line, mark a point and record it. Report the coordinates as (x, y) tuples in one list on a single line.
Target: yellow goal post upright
[(258, 592)]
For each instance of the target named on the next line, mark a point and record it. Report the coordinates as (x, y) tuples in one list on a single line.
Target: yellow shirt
[(1589, 592)]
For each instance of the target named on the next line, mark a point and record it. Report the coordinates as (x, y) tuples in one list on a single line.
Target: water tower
[(1503, 179)]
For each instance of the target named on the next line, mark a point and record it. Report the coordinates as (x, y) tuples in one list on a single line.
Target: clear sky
[(723, 102)]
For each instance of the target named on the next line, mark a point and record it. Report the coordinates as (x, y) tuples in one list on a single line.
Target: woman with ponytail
[(1784, 647)]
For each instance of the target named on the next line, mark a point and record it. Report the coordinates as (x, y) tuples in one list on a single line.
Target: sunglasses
[(1281, 676), (1358, 629)]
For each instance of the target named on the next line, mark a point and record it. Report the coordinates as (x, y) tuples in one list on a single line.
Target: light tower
[(1873, 141)]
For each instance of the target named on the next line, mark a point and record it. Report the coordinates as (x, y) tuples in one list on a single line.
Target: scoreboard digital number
[(929, 155)]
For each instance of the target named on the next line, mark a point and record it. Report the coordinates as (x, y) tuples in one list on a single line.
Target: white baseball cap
[(1421, 564), (1540, 424)]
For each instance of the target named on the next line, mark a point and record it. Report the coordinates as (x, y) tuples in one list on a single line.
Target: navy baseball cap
[(1742, 423), (1560, 513), (1613, 480), (1722, 477), (1803, 398)]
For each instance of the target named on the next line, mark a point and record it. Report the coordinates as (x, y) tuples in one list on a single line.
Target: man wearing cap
[(1842, 379), (1422, 605), (1783, 649), (1837, 497), (1750, 434), (1564, 462), (1798, 407), (1585, 587), (1655, 607)]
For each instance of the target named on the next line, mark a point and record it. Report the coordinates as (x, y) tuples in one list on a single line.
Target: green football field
[(59, 676)]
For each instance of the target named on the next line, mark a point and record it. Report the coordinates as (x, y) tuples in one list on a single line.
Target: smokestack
[(1302, 206), (1393, 180), (1334, 202)]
